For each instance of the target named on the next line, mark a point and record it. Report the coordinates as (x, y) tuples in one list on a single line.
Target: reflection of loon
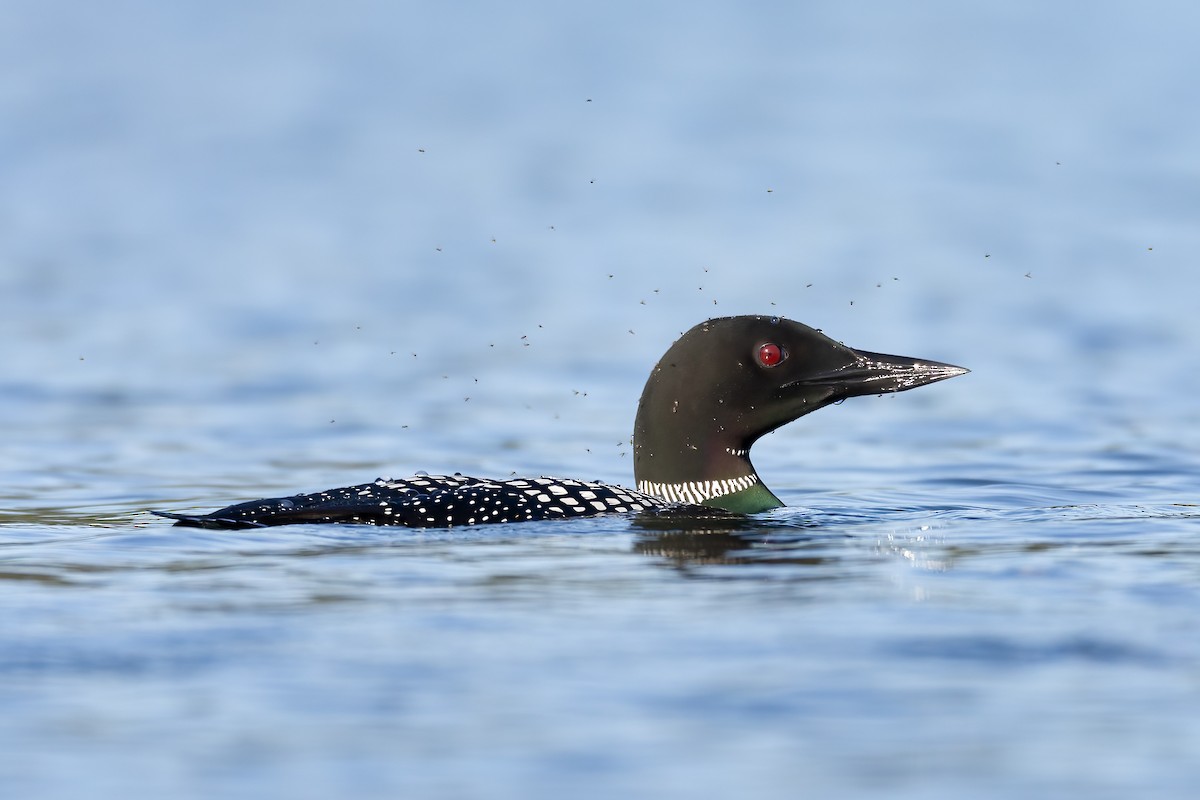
[(721, 386)]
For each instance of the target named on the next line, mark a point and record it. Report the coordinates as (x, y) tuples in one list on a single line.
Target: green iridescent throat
[(747, 501)]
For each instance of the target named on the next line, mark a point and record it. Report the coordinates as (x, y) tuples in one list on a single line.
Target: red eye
[(770, 355)]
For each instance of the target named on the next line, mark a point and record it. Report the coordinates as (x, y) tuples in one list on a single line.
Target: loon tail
[(207, 521)]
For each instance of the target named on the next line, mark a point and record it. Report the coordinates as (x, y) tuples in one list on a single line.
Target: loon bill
[(719, 387)]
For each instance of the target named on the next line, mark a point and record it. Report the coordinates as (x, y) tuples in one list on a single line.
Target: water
[(245, 253)]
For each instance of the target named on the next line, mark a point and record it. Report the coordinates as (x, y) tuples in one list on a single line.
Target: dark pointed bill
[(876, 373)]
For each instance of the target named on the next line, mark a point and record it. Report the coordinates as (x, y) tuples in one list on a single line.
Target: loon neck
[(724, 479)]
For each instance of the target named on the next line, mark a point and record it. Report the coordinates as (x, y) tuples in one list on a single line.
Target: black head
[(728, 381)]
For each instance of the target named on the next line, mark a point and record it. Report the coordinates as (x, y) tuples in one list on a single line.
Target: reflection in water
[(721, 537), (694, 547)]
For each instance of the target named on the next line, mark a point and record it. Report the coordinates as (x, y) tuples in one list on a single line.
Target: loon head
[(728, 381)]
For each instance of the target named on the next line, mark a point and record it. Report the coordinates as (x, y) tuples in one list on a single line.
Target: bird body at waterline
[(720, 386)]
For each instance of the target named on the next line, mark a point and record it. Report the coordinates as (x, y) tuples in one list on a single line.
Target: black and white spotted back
[(434, 501)]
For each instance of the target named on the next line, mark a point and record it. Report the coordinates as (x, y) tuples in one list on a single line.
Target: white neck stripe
[(697, 492)]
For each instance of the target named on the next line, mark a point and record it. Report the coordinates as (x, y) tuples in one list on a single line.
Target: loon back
[(431, 501), (729, 381), (721, 386)]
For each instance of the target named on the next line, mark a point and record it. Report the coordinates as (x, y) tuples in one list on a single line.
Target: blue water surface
[(255, 250)]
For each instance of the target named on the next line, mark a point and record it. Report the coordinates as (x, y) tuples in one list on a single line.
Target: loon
[(719, 387)]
